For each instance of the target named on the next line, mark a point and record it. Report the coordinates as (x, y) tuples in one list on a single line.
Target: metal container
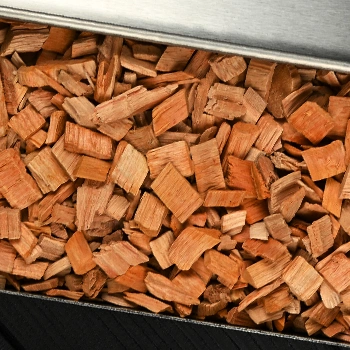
[(312, 33)]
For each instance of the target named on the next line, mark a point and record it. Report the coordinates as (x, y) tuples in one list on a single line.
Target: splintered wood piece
[(59, 40), (68, 160), (148, 302), (227, 270), (79, 253), (291, 204), (80, 109), (176, 193), (224, 109), (259, 76), (116, 258), (254, 105), (338, 108), (336, 272), (150, 214), (170, 112), (58, 268), (239, 318), (86, 45), (210, 309), (256, 210), (160, 249), (23, 41), (37, 140), (278, 228), (45, 206), (320, 234), (134, 278), (118, 300), (270, 249), (91, 200), (10, 223), (129, 168), (174, 58), (40, 286), (75, 87), (41, 100), (27, 122), (259, 315), (296, 98), (223, 198), (303, 120), (262, 191), (302, 279), (259, 231), (226, 93), (265, 271), (322, 315), (136, 65), (117, 207), (177, 153), (199, 64), (344, 217), (340, 192), (63, 214), (199, 119), (16, 185), (222, 136), (64, 293), (333, 329), (282, 188), (47, 171), (329, 296), (131, 102), (92, 169), (84, 141), (277, 300), (258, 294), (241, 139), (33, 271), (270, 131), (93, 282), (228, 67), (190, 282), (3, 110), (109, 69), (191, 244), (326, 161), (239, 176), (143, 139), (146, 52), (285, 80), (233, 223), (52, 248), (207, 166), (163, 288), (169, 137), (331, 201), (13, 91), (7, 257), (160, 80), (116, 130)]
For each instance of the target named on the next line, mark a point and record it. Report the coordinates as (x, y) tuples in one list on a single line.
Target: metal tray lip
[(175, 39), (115, 308)]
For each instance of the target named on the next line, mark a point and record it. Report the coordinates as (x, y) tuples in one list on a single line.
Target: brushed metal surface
[(313, 33)]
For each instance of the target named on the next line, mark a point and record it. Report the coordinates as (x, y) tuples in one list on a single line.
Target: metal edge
[(167, 38), (175, 318)]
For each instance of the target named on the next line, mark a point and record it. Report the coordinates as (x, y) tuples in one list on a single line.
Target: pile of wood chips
[(180, 181)]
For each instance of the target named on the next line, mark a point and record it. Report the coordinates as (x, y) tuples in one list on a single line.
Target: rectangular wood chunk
[(27, 122), (326, 161), (174, 58), (170, 112), (177, 153), (337, 272), (147, 302), (160, 249), (16, 185), (47, 171), (228, 67), (223, 198), (10, 223), (331, 199), (176, 193), (33, 271), (207, 166), (117, 207), (191, 244), (129, 168), (304, 120), (302, 279), (7, 257), (233, 223), (92, 169), (79, 253), (78, 139), (255, 106), (150, 214)]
